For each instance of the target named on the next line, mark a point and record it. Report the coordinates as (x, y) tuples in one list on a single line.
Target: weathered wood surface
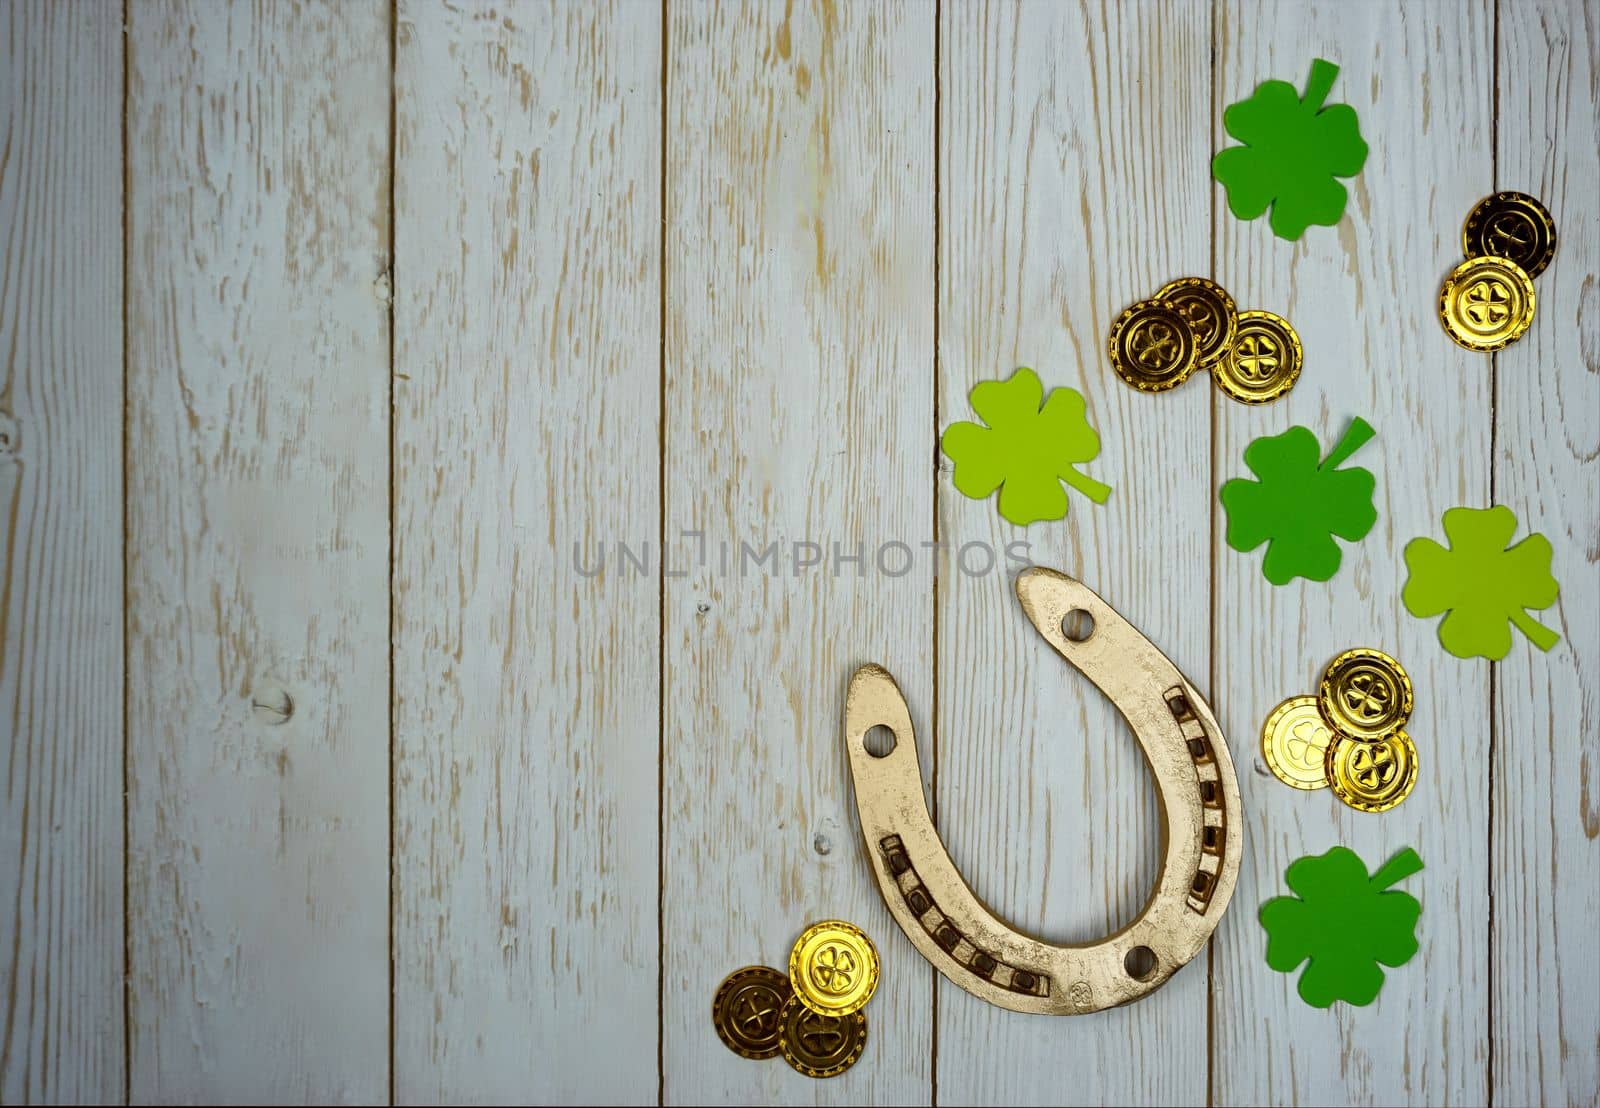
[(1544, 857), (1364, 299), (61, 649), (1044, 798), (527, 394), (799, 407), (445, 819), (258, 552)]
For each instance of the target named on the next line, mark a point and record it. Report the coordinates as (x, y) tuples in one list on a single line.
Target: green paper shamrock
[(1294, 148), (1027, 450), (1483, 581), (1300, 504), (1344, 923)]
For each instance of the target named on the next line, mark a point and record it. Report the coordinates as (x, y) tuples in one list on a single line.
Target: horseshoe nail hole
[(879, 741), (1077, 625), (1201, 883), (1140, 962)]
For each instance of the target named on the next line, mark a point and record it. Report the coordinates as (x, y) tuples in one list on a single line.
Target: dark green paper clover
[(1300, 503), (1294, 148), (1344, 923), (1483, 581)]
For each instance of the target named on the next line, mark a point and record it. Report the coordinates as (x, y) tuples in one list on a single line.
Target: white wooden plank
[(61, 1031), (799, 365), (1073, 184), (1363, 297), (1545, 871), (258, 167), (527, 338)]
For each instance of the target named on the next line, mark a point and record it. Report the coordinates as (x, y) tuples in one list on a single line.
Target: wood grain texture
[(527, 338), (1363, 296), (1545, 860), (610, 791), (1073, 184), (258, 161), (799, 381), (61, 650)]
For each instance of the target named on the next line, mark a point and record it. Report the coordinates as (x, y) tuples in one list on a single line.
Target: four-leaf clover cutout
[(1344, 922), (1300, 502), (1031, 445), (1483, 581), (1294, 149)]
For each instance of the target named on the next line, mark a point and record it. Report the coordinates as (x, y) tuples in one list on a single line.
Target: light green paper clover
[(1294, 148), (1031, 445), (1344, 923), (1300, 502), (1483, 581)]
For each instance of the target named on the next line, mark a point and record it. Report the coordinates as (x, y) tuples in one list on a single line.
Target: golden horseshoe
[(1201, 826)]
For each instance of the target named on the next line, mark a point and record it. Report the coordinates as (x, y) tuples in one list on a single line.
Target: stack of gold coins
[(1191, 323), (1487, 301), (1350, 736), (812, 1016)]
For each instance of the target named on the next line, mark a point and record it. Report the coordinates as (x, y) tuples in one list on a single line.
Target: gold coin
[(1372, 777), (1210, 313), (1486, 303), (1293, 740), (818, 1045), (1511, 225), (833, 968), (746, 1008), (1264, 360), (1152, 346), (1365, 694)]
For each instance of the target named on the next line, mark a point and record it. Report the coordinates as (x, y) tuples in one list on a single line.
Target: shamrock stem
[(1358, 434), (1319, 84), (1397, 869), (1087, 485), (1538, 634)]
